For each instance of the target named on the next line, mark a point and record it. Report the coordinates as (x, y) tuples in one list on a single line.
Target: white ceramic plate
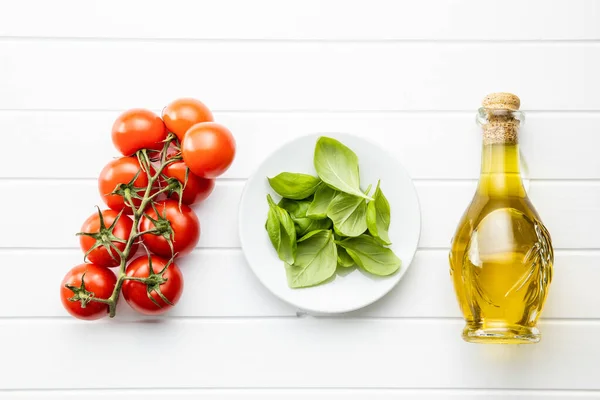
[(349, 290)]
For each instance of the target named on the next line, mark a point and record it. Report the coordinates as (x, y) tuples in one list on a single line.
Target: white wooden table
[(409, 75)]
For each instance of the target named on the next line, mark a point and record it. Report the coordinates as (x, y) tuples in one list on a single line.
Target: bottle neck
[(500, 170)]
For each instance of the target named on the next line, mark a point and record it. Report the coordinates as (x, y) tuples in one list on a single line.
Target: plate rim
[(349, 309)]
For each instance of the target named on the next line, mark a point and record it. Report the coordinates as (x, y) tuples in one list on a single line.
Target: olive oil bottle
[(501, 256)]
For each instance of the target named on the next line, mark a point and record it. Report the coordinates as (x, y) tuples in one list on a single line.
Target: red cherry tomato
[(170, 284), (98, 282), (181, 114), (138, 129), (208, 149), (196, 189), (117, 172), (121, 230), (183, 227)]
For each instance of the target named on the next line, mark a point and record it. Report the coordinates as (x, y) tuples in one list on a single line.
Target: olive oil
[(501, 256)]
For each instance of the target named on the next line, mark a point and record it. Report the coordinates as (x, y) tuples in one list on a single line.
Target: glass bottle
[(501, 256)]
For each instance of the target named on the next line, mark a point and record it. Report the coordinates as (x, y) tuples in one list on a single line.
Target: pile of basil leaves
[(326, 222)]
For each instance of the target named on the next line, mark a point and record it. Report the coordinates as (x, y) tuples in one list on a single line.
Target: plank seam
[(216, 249), (287, 318), (234, 40), (303, 111), (311, 389), (437, 181)]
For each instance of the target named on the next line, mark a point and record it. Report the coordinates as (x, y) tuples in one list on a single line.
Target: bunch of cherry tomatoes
[(167, 164)]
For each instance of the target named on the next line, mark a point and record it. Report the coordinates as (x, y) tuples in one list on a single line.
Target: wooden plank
[(571, 211), (298, 353), (219, 283), (430, 145), (305, 76), (309, 19)]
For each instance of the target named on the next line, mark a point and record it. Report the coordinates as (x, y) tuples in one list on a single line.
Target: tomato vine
[(138, 212), (135, 187)]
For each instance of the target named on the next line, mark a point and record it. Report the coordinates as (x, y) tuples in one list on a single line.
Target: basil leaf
[(323, 197), (343, 258), (316, 261), (337, 166), (294, 186), (371, 255), (296, 208), (378, 216), (282, 232), (311, 234), (303, 224), (307, 225), (349, 214)]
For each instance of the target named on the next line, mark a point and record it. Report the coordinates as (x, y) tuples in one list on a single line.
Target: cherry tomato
[(208, 149), (98, 282), (105, 233), (182, 226), (181, 114), (196, 189), (120, 172), (138, 129), (169, 283)]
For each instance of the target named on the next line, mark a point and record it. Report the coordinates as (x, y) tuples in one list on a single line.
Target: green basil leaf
[(296, 208), (337, 166), (294, 186), (343, 258), (323, 197), (316, 261), (378, 216), (306, 225), (303, 224), (349, 214), (371, 255), (282, 232), (311, 234)]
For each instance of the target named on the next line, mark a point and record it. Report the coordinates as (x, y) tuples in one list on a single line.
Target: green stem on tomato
[(148, 232), (163, 190), (134, 278), (164, 165), (106, 301)]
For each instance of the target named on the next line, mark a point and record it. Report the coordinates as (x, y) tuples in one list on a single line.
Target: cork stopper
[(502, 124), (501, 101)]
